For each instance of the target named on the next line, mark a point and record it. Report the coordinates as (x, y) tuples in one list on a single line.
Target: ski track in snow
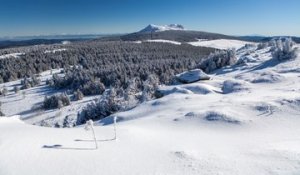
[(185, 132)]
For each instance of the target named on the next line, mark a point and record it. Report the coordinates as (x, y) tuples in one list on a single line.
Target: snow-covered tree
[(4, 91), (103, 107), (69, 121), (78, 95), (218, 60), (56, 101), (23, 94), (131, 90), (149, 88), (16, 89), (30, 82), (262, 45), (283, 49)]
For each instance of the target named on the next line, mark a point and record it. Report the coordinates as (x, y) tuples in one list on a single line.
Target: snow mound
[(192, 115), (267, 77), (156, 28), (11, 119), (202, 89), (293, 103), (266, 109), (230, 86), (167, 91), (220, 43), (192, 76)]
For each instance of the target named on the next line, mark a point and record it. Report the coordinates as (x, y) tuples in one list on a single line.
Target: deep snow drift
[(244, 120)]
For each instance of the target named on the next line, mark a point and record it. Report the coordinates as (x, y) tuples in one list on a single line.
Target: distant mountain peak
[(157, 28)]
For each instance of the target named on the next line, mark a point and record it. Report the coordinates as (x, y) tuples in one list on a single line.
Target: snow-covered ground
[(217, 44), (11, 55), (55, 50), (158, 41), (220, 43), (245, 120), (27, 103), (163, 41)]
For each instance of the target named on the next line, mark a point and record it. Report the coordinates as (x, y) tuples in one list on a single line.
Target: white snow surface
[(55, 50), (220, 43), (192, 76), (163, 41), (11, 55), (26, 103), (194, 129)]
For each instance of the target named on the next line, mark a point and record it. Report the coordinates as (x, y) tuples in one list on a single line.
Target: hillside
[(177, 32), (244, 120), (173, 32), (174, 35)]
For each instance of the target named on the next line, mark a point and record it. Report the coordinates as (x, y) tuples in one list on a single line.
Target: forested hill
[(174, 35), (108, 56)]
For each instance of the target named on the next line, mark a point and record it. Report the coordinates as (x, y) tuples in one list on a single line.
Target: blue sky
[(235, 17)]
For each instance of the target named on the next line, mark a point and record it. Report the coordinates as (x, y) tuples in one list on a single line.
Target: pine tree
[(16, 89), (4, 91), (78, 95)]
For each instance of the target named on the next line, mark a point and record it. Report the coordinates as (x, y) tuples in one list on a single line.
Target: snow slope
[(220, 43), (26, 103), (242, 121), (163, 41), (158, 41)]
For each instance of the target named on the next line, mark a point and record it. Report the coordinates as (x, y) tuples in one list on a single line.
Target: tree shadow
[(12, 101), (261, 66), (103, 140), (57, 146), (228, 69), (266, 64)]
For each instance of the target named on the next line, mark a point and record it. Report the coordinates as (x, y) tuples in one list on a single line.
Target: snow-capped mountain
[(157, 28)]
